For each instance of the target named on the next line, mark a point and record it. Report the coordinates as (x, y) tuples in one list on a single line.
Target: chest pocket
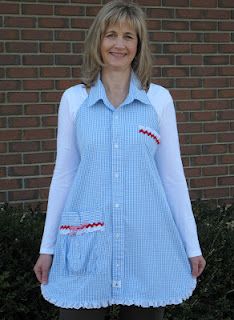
[(150, 137), (81, 235)]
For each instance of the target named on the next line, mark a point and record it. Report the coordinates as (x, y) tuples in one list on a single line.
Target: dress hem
[(115, 301)]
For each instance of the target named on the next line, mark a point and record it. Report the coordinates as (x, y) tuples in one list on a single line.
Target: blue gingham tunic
[(117, 241)]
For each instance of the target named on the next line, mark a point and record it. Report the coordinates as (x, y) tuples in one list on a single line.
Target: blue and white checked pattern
[(137, 257)]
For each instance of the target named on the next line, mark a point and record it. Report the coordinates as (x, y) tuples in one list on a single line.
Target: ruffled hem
[(115, 301)]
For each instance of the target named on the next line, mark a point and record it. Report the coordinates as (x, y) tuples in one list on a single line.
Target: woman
[(119, 227)]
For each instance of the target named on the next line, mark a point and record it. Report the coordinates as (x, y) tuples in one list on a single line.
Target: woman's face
[(119, 46)]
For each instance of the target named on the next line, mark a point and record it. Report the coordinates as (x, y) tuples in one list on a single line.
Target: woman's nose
[(119, 42)]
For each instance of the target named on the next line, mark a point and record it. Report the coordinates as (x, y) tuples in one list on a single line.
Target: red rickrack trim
[(150, 134), (82, 226)]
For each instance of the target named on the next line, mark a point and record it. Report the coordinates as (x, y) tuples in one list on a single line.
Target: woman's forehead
[(122, 24)]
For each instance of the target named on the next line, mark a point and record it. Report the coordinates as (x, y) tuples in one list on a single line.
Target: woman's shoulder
[(159, 92), (76, 90)]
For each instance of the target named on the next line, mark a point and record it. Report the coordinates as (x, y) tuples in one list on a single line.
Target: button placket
[(117, 196)]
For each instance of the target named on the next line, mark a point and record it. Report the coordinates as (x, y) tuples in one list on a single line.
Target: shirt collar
[(98, 92)]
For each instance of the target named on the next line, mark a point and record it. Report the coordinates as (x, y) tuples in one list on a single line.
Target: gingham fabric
[(118, 240)]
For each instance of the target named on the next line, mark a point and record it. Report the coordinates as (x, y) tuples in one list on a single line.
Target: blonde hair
[(115, 12)]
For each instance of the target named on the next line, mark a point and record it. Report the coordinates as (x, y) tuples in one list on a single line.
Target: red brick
[(64, 84), (39, 109), (214, 171), (180, 94), (22, 97), (68, 59), (55, 47), (225, 115), (226, 71), (38, 84), (226, 159), (55, 72), (175, 72), (203, 94), (203, 182), (9, 184), (37, 9), (39, 134), (162, 36), (204, 48), (149, 2), (10, 159), (175, 25), (216, 127), (10, 59), (49, 145), (153, 24), (9, 85), (37, 182), (7, 135), (81, 23), (214, 148), (21, 47), (49, 121), (163, 59), (23, 170), (203, 138), (217, 37), (225, 4), (21, 122), (226, 48), (226, 93), (203, 71), (23, 22), (159, 13), (36, 157), (47, 169), (21, 72), (216, 192), (3, 147), (189, 127), (192, 172), (37, 34), (9, 8), (188, 37), (189, 60), (226, 25), (188, 83), (24, 146), (203, 25), (50, 97), (70, 10), (226, 181), (203, 160), (53, 22), (225, 137), (190, 150), (189, 105), (11, 110), (190, 13), (216, 60), (206, 4), (23, 195), (176, 48), (203, 116), (175, 3), (37, 59), (71, 35), (216, 105), (215, 82)]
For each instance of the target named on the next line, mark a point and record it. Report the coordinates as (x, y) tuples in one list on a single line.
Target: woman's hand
[(198, 264), (42, 267)]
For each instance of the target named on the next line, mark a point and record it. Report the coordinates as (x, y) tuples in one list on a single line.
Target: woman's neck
[(116, 84)]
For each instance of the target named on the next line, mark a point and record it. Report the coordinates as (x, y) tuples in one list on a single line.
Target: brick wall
[(40, 54)]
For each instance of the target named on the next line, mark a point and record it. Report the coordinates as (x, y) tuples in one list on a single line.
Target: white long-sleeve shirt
[(168, 162)]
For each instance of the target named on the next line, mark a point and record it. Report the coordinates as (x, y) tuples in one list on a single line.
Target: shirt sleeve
[(66, 163), (171, 171)]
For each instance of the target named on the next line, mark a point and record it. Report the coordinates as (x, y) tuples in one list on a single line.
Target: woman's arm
[(171, 171), (67, 161)]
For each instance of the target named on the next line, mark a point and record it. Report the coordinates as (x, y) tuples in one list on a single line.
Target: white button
[(116, 145), (117, 265), (117, 205), (117, 235), (116, 284), (116, 174), (116, 117)]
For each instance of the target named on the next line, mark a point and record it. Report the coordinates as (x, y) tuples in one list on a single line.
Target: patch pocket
[(83, 235), (151, 137)]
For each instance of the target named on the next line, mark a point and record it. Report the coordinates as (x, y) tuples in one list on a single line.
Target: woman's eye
[(110, 35)]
